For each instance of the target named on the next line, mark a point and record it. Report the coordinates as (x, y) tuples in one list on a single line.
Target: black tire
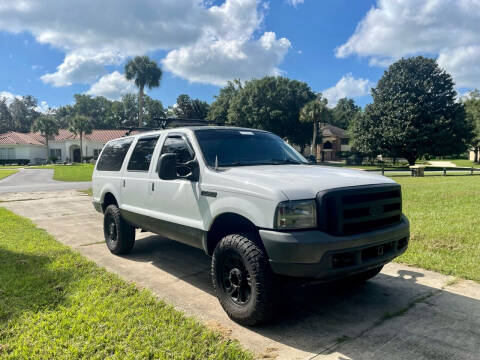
[(119, 236), (243, 280), (366, 275)]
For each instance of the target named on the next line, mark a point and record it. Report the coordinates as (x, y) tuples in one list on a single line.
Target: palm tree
[(146, 73), (312, 112), (81, 125), (47, 125)]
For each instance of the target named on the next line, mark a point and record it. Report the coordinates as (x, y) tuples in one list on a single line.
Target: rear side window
[(142, 154), (113, 155), (178, 145)]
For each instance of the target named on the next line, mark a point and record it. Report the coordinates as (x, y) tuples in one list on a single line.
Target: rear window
[(142, 154), (113, 155)]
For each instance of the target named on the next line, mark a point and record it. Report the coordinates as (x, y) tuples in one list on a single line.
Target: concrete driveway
[(404, 313), (27, 180)]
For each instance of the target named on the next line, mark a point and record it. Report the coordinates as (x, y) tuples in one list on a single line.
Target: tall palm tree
[(81, 125), (47, 125), (312, 112), (145, 72)]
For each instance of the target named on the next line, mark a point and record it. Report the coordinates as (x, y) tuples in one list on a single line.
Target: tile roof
[(330, 130), (35, 138)]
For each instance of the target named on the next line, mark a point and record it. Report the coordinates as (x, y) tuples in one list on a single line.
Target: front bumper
[(318, 255)]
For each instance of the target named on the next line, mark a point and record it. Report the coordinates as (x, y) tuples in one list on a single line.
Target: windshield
[(231, 147)]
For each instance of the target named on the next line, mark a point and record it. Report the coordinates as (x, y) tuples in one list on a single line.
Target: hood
[(298, 182)]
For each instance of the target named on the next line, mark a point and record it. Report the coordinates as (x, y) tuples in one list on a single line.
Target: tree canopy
[(472, 108), (344, 112), (47, 125), (315, 112), (273, 103), (144, 72), (218, 113), (414, 113), (188, 108)]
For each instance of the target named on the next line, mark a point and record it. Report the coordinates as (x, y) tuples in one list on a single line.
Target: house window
[(7, 154), (344, 141), (56, 153)]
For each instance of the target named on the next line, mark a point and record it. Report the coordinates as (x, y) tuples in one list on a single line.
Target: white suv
[(254, 204)]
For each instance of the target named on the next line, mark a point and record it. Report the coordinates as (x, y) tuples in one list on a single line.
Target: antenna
[(216, 162)]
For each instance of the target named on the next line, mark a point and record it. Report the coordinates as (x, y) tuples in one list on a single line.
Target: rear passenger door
[(135, 191)]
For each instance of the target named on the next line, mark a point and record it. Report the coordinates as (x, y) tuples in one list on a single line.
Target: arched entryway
[(327, 148)]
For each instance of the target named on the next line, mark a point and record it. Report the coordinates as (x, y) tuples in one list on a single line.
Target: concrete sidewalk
[(404, 313)]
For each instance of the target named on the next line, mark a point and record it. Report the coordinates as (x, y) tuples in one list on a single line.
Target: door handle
[(124, 183), (153, 186)]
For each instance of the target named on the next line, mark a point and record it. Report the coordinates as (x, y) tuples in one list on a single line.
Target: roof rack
[(165, 123)]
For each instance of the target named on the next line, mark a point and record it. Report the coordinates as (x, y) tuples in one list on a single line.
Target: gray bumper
[(315, 254), (98, 206)]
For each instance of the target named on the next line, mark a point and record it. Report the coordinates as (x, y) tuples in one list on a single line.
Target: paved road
[(28, 180), (403, 313)]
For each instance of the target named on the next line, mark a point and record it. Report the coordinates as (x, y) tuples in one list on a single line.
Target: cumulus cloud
[(347, 86), (227, 39), (396, 28), (295, 2), (112, 86)]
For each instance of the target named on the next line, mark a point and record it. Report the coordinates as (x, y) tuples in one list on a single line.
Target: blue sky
[(55, 49)]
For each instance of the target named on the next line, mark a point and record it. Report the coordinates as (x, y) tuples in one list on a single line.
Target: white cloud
[(112, 86), (225, 39), (295, 2), (396, 28), (347, 86)]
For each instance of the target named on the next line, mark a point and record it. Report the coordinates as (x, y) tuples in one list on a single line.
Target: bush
[(14, 162)]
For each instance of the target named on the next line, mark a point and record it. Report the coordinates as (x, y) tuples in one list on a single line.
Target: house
[(65, 146), (334, 140)]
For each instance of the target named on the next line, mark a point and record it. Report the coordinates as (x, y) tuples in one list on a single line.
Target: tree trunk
[(140, 106), (46, 143), (475, 154), (313, 149), (81, 146)]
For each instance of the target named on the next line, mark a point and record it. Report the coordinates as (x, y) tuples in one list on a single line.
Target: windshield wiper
[(286, 161)]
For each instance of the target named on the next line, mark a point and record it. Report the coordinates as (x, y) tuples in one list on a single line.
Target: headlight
[(296, 215)]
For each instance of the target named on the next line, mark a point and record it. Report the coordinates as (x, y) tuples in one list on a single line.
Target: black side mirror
[(167, 166), (312, 159)]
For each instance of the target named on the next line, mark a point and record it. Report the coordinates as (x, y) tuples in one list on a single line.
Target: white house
[(65, 146)]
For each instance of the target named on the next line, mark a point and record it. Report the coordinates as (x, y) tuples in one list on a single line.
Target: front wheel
[(119, 236), (243, 280)]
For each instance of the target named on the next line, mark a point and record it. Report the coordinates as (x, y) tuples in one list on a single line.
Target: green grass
[(464, 163), (55, 304), (5, 173), (444, 215), (75, 172)]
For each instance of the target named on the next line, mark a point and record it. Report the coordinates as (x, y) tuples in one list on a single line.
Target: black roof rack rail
[(165, 123)]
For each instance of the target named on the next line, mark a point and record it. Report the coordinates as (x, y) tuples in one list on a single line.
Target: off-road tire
[(261, 304), (121, 237)]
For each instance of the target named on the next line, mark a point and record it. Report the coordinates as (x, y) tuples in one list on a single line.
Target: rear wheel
[(243, 280), (119, 236)]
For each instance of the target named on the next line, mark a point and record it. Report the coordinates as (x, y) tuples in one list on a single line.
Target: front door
[(76, 155), (175, 202)]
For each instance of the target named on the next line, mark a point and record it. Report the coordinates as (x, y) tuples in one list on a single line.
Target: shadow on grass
[(28, 284), (359, 321)]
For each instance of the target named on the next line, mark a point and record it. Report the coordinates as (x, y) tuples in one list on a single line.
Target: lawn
[(5, 173), (445, 229), (75, 172), (55, 304)]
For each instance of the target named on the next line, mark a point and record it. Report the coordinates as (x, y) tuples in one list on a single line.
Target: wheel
[(366, 275), (243, 280), (119, 236)]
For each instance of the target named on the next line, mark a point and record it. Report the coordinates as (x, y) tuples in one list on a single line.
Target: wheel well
[(230, 223), (109, 199)]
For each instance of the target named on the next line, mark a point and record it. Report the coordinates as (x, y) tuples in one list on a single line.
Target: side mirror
[(312, 159), (167, 166)]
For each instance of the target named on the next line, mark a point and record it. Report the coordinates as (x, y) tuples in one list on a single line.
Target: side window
[(177, 145), (142, 154), (113, 155)]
